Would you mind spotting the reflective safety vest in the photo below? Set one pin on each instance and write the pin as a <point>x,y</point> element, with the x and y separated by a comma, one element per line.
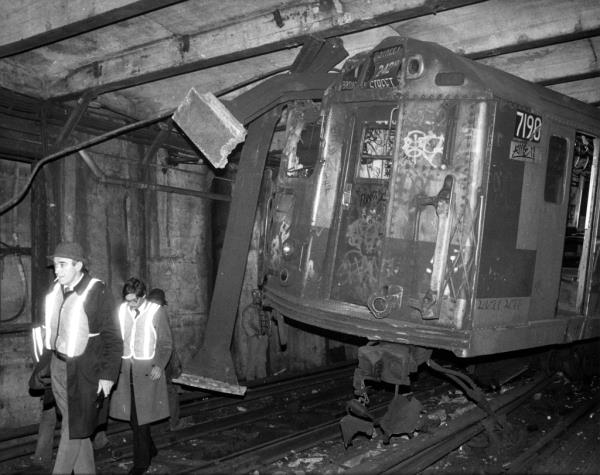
<point>139,334</point>
<point>67,329</point>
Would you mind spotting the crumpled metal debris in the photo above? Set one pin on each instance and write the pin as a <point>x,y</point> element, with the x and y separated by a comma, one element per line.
<point>352,425</point>
<point>402,417</point>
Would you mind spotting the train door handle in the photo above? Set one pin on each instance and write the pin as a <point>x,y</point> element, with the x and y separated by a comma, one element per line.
<point>347,195</point>
<point>444,205</point>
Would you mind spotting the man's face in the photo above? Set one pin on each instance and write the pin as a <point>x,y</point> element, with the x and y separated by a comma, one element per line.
<point>67,270</point>
<point>133,301</point>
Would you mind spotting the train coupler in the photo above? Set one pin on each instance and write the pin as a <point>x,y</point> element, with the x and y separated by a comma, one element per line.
<point>388,362</point>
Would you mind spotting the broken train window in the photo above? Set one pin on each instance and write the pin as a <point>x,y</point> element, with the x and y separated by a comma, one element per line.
<point>301,150</point>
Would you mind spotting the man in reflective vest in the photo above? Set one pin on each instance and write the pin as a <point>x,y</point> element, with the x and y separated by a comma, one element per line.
<point>81,330</point>
<point>141,393</point>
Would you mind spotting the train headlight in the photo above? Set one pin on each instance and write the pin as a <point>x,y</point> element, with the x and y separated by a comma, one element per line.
<point>288,249</point>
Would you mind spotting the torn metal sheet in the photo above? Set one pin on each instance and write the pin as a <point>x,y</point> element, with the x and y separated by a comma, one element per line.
<point>402,417</point>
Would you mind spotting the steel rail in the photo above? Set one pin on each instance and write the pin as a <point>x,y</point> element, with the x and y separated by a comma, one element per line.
<point>523,461</point>
<point>21,442</point>
<point>420,452</point>
<point>261,455</point>
<point>168,439</point>
<point>255,457</point>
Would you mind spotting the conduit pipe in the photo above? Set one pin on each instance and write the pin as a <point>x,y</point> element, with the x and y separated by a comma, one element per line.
<point>102,178</point>
<point>4,207</point>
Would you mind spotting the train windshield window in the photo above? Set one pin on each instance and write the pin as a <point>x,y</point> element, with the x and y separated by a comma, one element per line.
<point>555,170</point>
<point>377,151</point>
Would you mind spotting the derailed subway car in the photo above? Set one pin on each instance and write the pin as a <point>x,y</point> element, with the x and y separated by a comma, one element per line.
<point>433,202</point>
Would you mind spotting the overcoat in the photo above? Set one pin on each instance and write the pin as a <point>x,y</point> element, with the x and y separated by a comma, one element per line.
<point>100,359</point>
<point>151,398</point>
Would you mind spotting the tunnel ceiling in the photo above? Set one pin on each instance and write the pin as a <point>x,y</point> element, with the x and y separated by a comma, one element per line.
<point>140,57</point>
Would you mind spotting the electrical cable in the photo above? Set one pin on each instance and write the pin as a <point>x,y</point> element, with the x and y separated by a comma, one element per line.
<point>21,269</point>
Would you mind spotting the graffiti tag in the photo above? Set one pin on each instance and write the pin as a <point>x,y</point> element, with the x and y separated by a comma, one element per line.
<point>522,151</point>
<point>500,304</point>
<point>428,146</point>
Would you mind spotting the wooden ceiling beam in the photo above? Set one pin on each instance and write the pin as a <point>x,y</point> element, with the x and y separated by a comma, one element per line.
<point>503,26</point>
<point>549,65</point>
<point>553,64</point>
<point>28,24</point>
<point>586,90</point>
<point>250,36</point>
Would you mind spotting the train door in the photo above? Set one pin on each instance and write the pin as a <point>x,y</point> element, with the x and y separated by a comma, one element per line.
<point>364,203</point>
<point>579,286</point>
<point>550,214</point>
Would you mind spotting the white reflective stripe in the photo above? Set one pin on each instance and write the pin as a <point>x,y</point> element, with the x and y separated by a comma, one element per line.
<point>91,335</point>
<point>150,332</point>
<point>124,314</point>
<point>35,354</point>
<point>38,343</point>
<point>50,304</point>
<point>147,333</point>
<point>122,309</point>
<point>139,335</point>
<point>73,324</point>
<point>76,322</point>
<point>143,336</point>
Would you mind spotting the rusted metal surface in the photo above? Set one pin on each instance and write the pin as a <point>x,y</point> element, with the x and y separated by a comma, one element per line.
<point>356,320</point>
<point>432,212</point>
<point>212,367</point>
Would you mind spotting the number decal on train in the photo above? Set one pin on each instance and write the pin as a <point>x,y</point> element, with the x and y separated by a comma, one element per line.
<point>528,126</point>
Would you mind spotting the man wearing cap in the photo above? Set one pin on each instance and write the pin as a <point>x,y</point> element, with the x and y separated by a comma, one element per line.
<point>82,331</point>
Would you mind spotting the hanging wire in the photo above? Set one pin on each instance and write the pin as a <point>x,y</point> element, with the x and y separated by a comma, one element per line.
<point>14,251</point>
<point>75,148</point>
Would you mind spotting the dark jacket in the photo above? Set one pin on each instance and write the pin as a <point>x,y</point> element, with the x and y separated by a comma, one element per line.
<point>100,360</point>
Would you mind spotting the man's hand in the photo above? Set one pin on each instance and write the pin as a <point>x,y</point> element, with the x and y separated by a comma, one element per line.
<point>105,385</point>
<point>155,373</point>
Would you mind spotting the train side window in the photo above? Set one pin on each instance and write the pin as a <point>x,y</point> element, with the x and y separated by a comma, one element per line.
<point>555,170</point>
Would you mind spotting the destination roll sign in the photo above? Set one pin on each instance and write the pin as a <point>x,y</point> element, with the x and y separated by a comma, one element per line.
<point>386,64</point>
